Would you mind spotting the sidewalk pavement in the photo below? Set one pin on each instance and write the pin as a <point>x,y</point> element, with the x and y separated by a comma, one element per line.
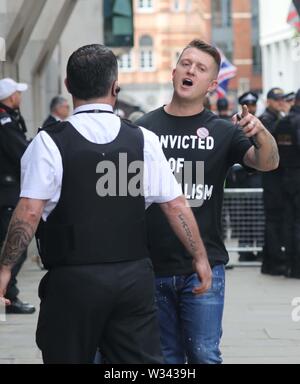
<point>258,325</point>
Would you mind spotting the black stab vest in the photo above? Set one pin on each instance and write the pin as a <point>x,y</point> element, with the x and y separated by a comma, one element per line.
<point>86,228</point>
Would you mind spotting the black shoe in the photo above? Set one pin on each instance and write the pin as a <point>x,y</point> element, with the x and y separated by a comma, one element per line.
<point>265,269</point>
<point>18,307</point>
<point>274,271</point>
<point>247,256</point>
<point>294,274</point>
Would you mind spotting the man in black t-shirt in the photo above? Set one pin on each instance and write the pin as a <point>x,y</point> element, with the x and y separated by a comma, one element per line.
<point>200,148</point>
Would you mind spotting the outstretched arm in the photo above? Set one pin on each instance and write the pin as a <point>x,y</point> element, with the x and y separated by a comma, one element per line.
<point>264,155</point>
<point>183,223</point>
<point>22,227</point>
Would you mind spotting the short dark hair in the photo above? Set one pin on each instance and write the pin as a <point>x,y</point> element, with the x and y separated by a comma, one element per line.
<point>56,101</point>
<point>207,48</point>
<point>91,71</point>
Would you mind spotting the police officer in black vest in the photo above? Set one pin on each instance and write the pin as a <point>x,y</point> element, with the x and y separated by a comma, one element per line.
<point>85,177</point>
<point>287,135</point>
<point>274,260</point>
<point>13,144</point>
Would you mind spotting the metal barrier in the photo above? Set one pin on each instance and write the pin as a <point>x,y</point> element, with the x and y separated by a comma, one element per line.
<point>243,220</point>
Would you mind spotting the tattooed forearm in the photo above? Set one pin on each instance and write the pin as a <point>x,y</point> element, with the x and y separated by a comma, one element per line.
<point>183,223</point>
<point>273,158</point>
<point>189,235</point>
<point>20,234</point>
<point>265,156</point>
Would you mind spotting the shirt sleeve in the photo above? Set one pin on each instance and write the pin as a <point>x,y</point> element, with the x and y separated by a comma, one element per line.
<point>41,169</point>
<point>160,185</point>
<point>240,144</point>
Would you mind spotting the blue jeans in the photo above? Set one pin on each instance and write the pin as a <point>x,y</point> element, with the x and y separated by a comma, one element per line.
<point>190,325</point>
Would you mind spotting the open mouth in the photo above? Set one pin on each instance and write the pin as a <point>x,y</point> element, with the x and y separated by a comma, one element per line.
<point>187,82</point>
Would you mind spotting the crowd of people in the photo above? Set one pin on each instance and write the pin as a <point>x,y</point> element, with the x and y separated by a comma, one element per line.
<point>281,193</point>
<point>139,277</point>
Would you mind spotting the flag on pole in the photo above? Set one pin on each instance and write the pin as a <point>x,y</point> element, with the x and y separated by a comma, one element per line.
<point>227,72</point>
<point>294,15</point>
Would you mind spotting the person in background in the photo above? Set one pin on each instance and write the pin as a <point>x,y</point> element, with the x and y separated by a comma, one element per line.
<point>59,111</point>
<point>223,109</point>
<point>250,99</point>
<point>239,177</point>
<point>274,259</point>
<point>287,135</point>
<point>13,144</point>
<point>289,101</point>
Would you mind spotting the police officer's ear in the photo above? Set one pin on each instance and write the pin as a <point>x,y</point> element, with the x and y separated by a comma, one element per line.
<point>115,89</point>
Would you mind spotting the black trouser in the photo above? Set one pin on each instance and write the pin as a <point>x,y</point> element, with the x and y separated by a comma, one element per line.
<point>12,289</point>
<point>291,190</point>
<point>110,306</point>
<point>273,256</point>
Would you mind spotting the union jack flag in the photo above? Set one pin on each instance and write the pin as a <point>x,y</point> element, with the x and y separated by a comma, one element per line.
<point>227,72</point>
<point>293,17</point>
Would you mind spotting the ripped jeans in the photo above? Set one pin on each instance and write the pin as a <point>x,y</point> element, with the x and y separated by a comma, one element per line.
<point>190,325</point>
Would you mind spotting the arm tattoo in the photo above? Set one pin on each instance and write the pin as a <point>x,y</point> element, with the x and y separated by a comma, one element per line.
<point>188,233</point>
<point>20,234</point>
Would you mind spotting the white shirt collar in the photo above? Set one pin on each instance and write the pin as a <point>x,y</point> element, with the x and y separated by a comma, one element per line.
<point>90,107</point>
<point>55,117</point>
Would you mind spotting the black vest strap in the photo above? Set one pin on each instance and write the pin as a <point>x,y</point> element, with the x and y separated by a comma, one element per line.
<point>93,111</point>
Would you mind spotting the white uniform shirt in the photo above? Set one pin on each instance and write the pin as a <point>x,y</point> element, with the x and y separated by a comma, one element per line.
<point>42,169</point>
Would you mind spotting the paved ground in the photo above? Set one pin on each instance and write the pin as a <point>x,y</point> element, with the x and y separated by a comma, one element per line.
<point>258,326</point>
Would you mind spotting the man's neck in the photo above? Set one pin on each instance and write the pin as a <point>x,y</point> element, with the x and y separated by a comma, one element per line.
<point>105,100</point>
<point>181,107</point>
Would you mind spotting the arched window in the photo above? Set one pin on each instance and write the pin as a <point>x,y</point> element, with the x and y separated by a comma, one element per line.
<point>146,53</point>
<point>126,62</point>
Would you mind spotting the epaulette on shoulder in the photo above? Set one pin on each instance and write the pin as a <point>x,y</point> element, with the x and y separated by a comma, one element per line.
<point>4,117</point>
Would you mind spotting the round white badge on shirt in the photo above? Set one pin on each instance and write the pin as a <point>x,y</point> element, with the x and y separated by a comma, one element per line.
<point>203,133</point>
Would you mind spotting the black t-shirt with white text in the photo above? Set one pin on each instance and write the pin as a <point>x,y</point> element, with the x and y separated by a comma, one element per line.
<point>200,150</point>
